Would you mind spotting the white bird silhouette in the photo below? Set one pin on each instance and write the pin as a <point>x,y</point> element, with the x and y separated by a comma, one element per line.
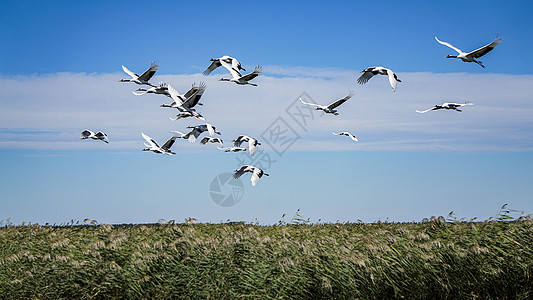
<point>446,105</point>
<point>198,130</point>
<point>185,103</point>
<point>209,139</point>
<point>238,78</point>
<point>346,133</point>
<point>216,62</point>
<point>162,89</point>
<point>329,109</point>
<point>471,56</point>
<point>256,173</point>
<point>154,147</point>
<point>143,78</point>
<point>232,149</point>
<point>86,134</point>
<point>252,143</point>
<point>370,72</point>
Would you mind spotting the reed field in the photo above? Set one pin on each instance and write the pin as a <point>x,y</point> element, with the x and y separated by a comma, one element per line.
<point>434,259</point>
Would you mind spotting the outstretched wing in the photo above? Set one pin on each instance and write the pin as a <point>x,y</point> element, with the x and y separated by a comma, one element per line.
<point>251,145</point>
<point>234,73</point>
<point>256,174</point>
<point>239,140</point>
<point>150,72</point>
<point>175,95</point>
<point>102,136</point>
<point>188,102</point>
<point>86,134</point>
<point>239,172</point>
<point>169,143</point>
<point>340,101</point>
<point>449,45</point>
<point>205,140</point>
<point>392,79</point>
<point>365,77</point>
<point>194,94</point>
<point>485,49</point>
<point>210,129</point>
<point>133,75</point>
<point>258,70</point>
<point>149,140</point>
<point>214,64</point>
<point>352,136</point>
<point>236,64</point>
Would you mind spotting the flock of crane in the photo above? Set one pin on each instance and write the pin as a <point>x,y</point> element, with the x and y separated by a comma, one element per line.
<point>186,103</point>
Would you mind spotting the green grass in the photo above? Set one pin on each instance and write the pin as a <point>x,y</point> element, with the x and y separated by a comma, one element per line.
<point>432,260</point>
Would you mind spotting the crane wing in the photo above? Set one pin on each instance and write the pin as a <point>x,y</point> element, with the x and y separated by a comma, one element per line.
<point>133,75</point>
<point>340,101</point>
<point>256,174</point>
<point>214,64</point>
<point>150,72</point>
<point>251,146</point>
<point>258,70</point>
<point>238,173</point>
<point>239,140</point>
<point>102,136</point>
<point>449,45</point>
<point>197,91</point>
<point>86,134</point>
<point>189,101</point>
<point>365,77</point>
<point>210,129</point>
<point>485,49</point>
<point>234,73</point>
<point>392,80</point>
<point>175,95</point>
<point>205,140</point>
<point>236,64</point>
<point>169,143</point>
<point>149,140</point>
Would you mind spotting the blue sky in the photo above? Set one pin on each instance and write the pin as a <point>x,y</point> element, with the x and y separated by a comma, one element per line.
<point>60,66</point>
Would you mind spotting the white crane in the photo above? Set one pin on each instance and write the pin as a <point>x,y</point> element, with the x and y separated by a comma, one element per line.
<point>446,105</point>
<point>154,147</point>
<point>185,103</point>
<point>216,62</point>
<point>86,134</point>
<point>241,79</point>
<point>209,139</point>
<point>232,149</point>
<point>471,56</point>
<point>256,173</point>
<point>370,72</point>
<point>346,133</point>
<point>252,143</point>
<point>329,109</point>
<point>143,78</point>
<point>162,89</point>
<point>198,130</point>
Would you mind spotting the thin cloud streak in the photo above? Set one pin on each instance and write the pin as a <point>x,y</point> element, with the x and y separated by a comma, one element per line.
<point>49,111</point>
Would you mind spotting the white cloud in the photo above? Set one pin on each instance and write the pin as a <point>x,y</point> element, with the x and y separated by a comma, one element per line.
<point>49,111</point>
